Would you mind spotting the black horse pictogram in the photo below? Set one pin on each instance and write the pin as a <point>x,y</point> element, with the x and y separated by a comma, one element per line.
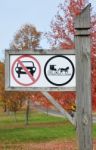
<point>61,70</point>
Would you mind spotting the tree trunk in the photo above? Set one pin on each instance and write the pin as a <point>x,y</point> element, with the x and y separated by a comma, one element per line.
<point>47,109</point>
<point>5,108</point>
<point>15,116</point>
<point>27,113</point>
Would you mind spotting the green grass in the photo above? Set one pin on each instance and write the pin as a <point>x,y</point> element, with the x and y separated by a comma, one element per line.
<point>94,131</point>
<point>34,117</point>
<point>36,134</point>
<point>41,128</point>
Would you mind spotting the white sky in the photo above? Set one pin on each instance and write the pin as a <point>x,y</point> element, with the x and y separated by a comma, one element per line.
<point>15,13</point>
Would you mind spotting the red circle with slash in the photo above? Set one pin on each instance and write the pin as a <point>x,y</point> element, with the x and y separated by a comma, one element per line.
<point>18,60</point>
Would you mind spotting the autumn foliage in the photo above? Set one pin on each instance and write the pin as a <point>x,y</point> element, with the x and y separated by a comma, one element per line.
<point>27,38</point>
<point>62,33</point>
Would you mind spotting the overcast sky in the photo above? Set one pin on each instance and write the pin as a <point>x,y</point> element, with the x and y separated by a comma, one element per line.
<point>15,13</point>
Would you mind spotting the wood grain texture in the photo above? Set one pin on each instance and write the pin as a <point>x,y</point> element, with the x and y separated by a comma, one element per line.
<point>83,81</point>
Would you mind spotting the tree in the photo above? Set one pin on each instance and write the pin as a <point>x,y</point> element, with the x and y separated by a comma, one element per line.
<point>2,80</point>
<point>27,38</point>
<point>62,33</point>
<point>62,26</point>
<point>13,101</point>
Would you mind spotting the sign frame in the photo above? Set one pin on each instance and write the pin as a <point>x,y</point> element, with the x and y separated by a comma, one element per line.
<point>8,53</point>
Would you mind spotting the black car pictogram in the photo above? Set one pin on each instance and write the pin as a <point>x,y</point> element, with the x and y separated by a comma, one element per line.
<point>29,65</point>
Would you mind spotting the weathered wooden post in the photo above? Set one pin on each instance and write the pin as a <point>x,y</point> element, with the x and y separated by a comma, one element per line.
<point>83,79</point>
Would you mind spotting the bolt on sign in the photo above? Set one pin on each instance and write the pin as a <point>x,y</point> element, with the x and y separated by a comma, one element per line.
<point>40,71</point>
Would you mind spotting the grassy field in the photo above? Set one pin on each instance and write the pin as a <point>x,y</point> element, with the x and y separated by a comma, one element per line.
<point>41,128</point>
<point>44,132</point>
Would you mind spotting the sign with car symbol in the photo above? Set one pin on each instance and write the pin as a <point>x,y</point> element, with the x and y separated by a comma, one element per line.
<point>25,70</point>
<point>35,72</point>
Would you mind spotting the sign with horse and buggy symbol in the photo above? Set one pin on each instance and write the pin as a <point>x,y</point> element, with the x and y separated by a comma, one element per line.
<point>59,70</point>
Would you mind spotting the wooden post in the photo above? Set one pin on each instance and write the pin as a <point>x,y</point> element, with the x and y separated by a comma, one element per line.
<point>83,79</point>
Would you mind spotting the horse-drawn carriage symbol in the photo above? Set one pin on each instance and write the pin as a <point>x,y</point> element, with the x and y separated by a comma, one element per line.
<point>53,70</point>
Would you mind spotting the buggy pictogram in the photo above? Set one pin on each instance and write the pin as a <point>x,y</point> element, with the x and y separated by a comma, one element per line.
<point>53,70</point>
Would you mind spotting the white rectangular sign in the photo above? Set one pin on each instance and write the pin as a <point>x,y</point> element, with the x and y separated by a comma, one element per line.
<point>41,71</point>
